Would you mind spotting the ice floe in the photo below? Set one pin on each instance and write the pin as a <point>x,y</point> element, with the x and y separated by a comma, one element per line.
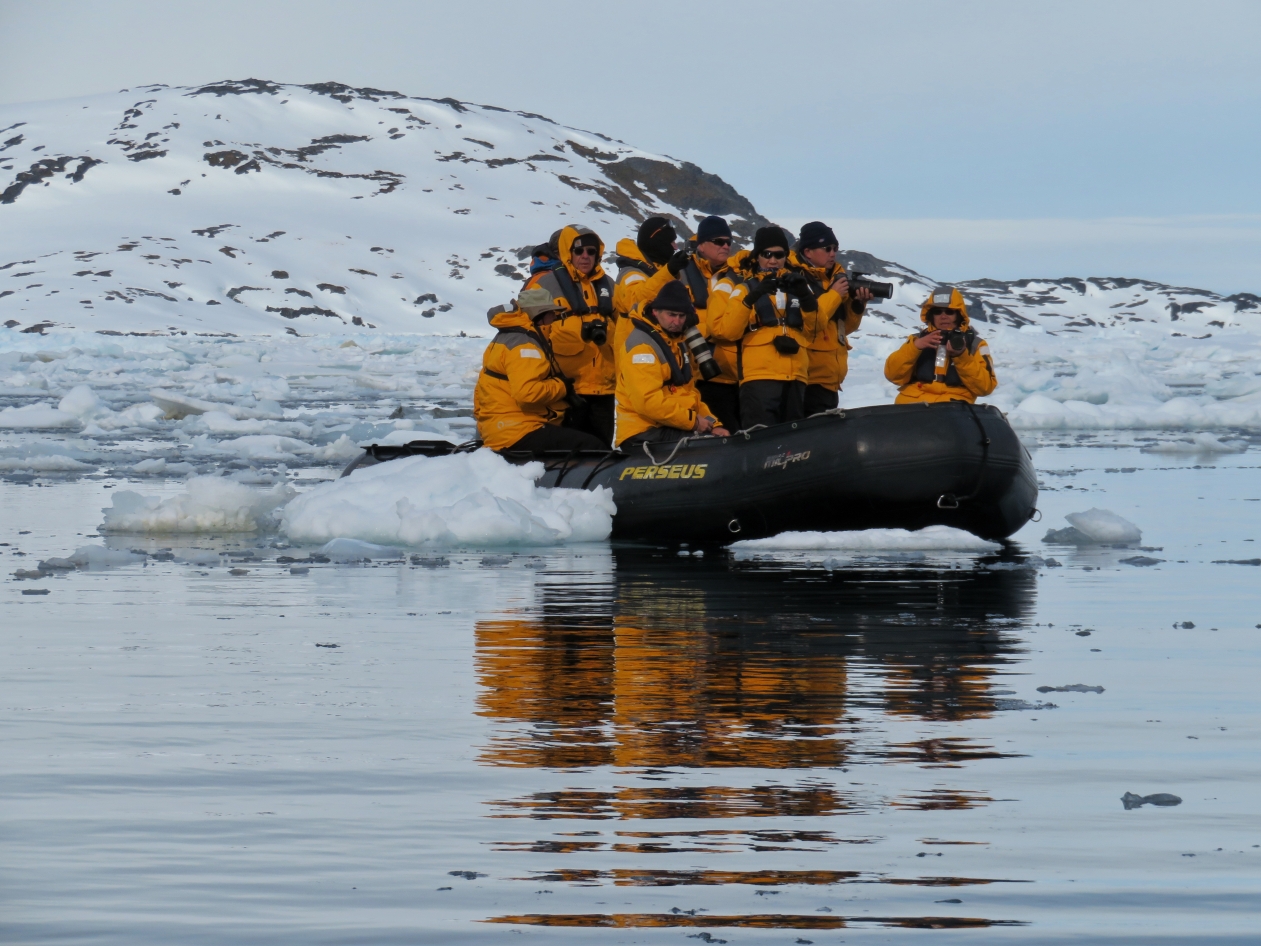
<point>209,504</point>
<point>929,539</point>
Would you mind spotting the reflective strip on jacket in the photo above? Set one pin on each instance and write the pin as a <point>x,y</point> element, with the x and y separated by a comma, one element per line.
<point>652,392</point>
<point>590,365</point>
<point>517,391</point>
<point>829,347</point>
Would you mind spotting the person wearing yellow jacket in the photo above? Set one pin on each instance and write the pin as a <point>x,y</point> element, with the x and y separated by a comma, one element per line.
<point>840,314</point>
<point>582,339</point>
<point>657,400</point>
<point>646,264</point>
<point>770,312</point>
<point>947,361</point>
<point>703,275</point>
<point>521,393</point>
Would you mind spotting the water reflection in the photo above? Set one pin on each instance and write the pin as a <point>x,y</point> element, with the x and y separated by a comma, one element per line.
<point>718,664</point>
<point>666,672</point>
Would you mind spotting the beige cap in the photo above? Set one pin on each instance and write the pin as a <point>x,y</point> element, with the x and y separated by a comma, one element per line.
<point>536,302</point>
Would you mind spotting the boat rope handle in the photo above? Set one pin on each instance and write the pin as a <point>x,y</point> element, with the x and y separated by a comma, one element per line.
<point>679,443</point>
<point>749,430</point>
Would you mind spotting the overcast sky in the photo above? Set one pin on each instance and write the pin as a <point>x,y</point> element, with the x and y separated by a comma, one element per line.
<point>963,139</point>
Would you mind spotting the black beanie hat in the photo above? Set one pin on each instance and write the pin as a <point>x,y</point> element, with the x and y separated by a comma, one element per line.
<point>816,234</point>
<point>767,237</point>
<point>712,227</point>
<point>674,297</point>
<point>656,239</point>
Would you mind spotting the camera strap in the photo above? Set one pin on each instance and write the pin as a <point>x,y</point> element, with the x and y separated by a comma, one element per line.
<point>696,284</point>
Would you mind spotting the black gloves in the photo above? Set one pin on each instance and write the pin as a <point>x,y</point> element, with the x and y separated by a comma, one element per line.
<point>797,285</point>
<point>678,261</point>
<point>762,288</point>
<point>573,397</point>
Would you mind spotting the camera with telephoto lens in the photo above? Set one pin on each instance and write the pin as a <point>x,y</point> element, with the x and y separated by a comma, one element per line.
<point>702,352</point>
<point>878,290</point>
<point>596,330</point>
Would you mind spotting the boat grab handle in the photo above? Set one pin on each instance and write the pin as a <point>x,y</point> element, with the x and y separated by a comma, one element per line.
<point>748,430</point>
<point>947,501</point>
<point>679,443</point>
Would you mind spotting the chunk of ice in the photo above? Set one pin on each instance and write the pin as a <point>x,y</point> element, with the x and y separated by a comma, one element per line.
<point>930,538</point>
<point>211,504</point>
<point>1104,527</point>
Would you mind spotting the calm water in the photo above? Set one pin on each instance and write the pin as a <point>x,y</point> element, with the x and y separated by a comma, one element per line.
<point>622,745</point>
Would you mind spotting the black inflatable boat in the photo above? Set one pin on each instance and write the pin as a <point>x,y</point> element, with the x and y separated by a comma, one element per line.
<point>892,466</point>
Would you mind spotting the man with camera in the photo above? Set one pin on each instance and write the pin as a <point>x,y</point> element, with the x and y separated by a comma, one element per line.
<point>840,313</point>
<point>702,274</point>
<point>582,338</point>
<point>646,264</point>
<point>657,400</point>
<point>521,393</point>
<point>771,313</point>
<point>947,361</point>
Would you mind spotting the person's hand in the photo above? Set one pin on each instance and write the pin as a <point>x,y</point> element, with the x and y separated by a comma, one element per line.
<point>931,340</point>
<point>678,261</point>
<point>840,285</point>
<point>573,397</point>
<point>862,295</point>
<point>704,424</point>
<point>721,432</point>
<point>764,287</point>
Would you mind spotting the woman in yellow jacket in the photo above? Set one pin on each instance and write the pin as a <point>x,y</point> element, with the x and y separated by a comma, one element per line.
<point>770,312</point>
<point>583,338</point>
<point>947,361</point>
<point>521,393</point>
<point>840,314</point>
<point>657,400</point>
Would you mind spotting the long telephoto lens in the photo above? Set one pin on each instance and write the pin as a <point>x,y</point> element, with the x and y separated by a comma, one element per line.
<point>702,353</point>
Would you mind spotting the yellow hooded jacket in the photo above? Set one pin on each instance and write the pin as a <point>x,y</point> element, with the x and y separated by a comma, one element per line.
<point>638,281</point>
<point>968,376</point>
<point>590,365</point>
<point>518,390</point>
<point>655,383</point>
<point>829,345</point>
<point>732,319</point>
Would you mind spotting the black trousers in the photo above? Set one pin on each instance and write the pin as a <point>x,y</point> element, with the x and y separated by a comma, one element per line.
<point>594,417</point>
<point>723,400</point>
<point>551,437</point>
<point>771,402</point>
<point>819,399</point>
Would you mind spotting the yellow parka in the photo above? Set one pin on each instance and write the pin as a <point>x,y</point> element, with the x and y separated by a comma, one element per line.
<point>837,319</point>
<point>519,389</point>
<point>638,281</point>
<point>731,319</point>
<point>968,376</point>
<point>656,384</point>
<point>582,299</point>
<point>707,279</point>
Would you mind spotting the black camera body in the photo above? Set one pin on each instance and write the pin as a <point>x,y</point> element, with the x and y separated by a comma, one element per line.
<point>878,290</point>
<point>596,331</point>
<point>954,340</point>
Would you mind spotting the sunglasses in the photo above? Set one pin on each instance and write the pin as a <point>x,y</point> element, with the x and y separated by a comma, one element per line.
<point>938,311</point>
<point>773,254</point>
<point>720,241</point>
<point>585,251</point>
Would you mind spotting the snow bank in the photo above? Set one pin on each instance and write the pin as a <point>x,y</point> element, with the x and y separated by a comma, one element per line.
<point>931,538</point>
<point>211,504</point>
<point>466,499</point>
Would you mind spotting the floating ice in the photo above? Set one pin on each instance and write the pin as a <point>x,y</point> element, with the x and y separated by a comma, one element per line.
<point>211,504</point>
<point>354,550</point>
<point>1199,444</point>
<point>44,464</point>
<point>931,538</point>
<point>465,499</point>
<point>1104,527</point>
<point>41,416</point>
<point>82,402</point>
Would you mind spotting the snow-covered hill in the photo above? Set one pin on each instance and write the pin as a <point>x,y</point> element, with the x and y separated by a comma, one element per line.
<point>254,207</point>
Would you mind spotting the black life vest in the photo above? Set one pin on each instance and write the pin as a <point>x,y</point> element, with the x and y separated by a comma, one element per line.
<point>679,374</point>
<point>573,294</point>
<point>697,284</point>
<point>926,364</point>
<point>768,317</point>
